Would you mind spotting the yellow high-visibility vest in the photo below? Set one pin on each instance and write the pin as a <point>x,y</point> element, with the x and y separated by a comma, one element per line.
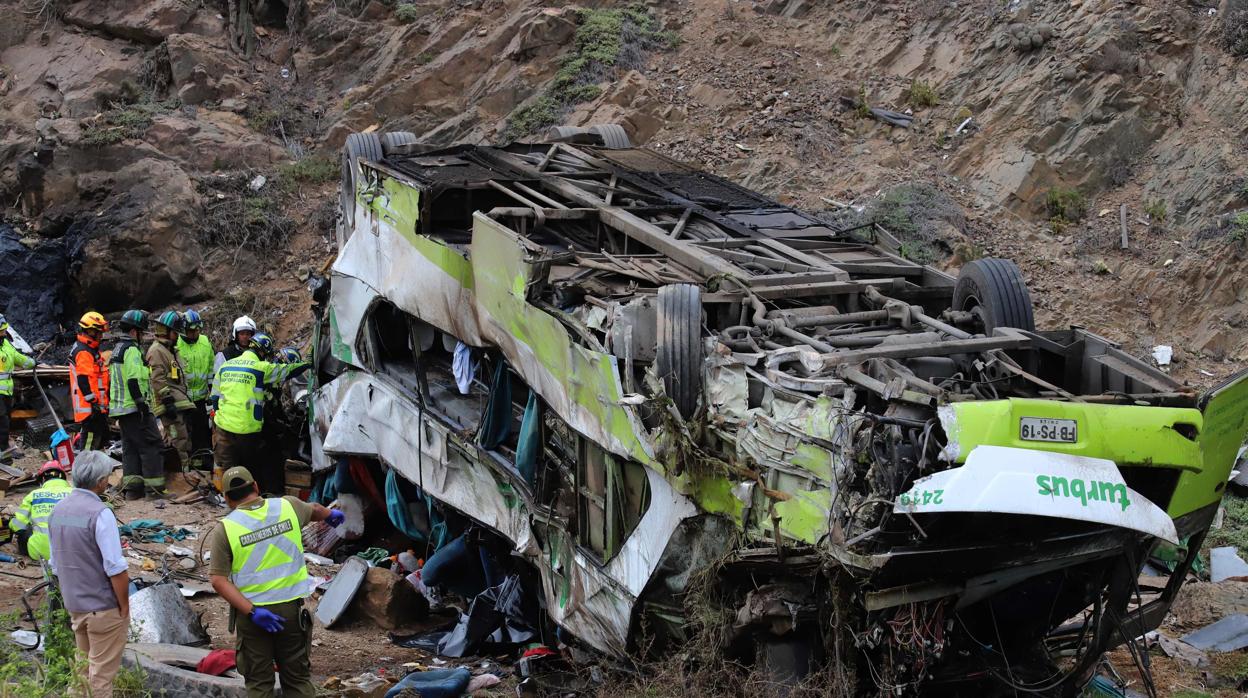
<point>267,546</point>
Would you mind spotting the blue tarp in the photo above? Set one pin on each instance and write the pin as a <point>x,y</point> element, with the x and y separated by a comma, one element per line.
<point>399,495</point>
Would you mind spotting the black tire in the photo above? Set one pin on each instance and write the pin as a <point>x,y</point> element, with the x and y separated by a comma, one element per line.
<point>393,139</point>
<point>558,133</point>
<point>165,669</point>
<point>678,354</point>
<point>613,136</point>
<point>995,291</point>
<point>358,145</point>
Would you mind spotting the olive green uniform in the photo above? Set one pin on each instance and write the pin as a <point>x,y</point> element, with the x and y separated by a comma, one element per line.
<point>172,406</point>
<point>290,648</point>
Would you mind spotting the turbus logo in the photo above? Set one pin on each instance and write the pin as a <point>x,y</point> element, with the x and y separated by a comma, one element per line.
<point>1084,490</point>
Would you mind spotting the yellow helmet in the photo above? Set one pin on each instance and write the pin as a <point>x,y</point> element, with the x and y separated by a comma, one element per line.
<point>93,321</point>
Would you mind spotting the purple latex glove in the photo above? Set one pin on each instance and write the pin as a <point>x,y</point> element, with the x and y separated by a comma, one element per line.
<point>268,621</point>
<point>335,518</point>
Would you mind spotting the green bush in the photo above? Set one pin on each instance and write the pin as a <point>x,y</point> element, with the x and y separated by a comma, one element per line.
<point>923,95</point>
<point>314,169</point>
<point>407,12</point>
<point>1239,227</point>
<point>1156,210</point>
<point>606,42</point>
<point>1065,205</point>
<point>124,121</point>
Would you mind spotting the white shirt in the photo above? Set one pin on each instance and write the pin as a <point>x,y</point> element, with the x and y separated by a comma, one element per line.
<point>107,539</point>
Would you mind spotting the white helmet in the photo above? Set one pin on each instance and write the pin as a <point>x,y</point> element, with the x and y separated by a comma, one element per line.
<point>244,324</point>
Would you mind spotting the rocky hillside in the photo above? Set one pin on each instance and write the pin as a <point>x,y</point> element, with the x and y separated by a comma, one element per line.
<point>164,151</point>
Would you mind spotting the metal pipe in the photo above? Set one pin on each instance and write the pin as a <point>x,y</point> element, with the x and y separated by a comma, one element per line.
<point>917,313</point>
<point>841,318</point>
<point>798,336</point>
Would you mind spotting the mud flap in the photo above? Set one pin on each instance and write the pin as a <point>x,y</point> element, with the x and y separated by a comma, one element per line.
<point>999,479</point>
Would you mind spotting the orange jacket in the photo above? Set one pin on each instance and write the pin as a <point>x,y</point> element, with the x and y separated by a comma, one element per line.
<point>88,377</point>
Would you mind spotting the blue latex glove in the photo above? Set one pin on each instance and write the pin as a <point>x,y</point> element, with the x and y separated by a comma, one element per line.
<point>335,518</point>
<point>269,621</point>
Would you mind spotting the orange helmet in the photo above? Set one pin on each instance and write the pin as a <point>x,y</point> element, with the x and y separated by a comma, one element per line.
<point>93,321</point>
<point>51,466</point>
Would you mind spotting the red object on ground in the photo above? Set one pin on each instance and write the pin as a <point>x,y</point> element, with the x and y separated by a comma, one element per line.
<point>217,662</point>
<point>541,651</point>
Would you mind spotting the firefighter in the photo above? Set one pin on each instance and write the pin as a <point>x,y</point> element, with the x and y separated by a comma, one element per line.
<point>130,398</point>
<point>10,358</point>
<point>88,382</point>
<point>31,520</point>
<point>172,407</point>
<point>195,351</point>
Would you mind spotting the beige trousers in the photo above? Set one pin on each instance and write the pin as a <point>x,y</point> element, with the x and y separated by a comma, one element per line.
<point>101,638</point>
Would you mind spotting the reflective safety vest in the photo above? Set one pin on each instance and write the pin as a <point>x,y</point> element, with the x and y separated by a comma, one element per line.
<point>267,548</point>
<point>238,391</point>
<point>11,358</point>
<point>197,359</point>
<point>126,363</point>
<point>85,360</point>
<point>34,513</point>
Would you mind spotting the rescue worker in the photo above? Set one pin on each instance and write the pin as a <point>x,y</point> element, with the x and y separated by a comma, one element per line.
<point>10,358</point>
<point>195,352</point>
<point>237,403</point>
<point>30,523</point>
<point>130,401</point>
<point>257,567</point>
<point>280,432</point>
<point>240,338</point>
<point>88,382</point>
<point>172,407</point>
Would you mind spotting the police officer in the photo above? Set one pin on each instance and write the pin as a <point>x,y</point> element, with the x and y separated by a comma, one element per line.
<point>30,523</point>
<point>130,398</point>
<point>195,351</point>
<point>257,567</point>
<point>238,396</point>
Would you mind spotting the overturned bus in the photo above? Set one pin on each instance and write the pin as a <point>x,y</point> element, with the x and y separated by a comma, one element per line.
<point>641,377</point>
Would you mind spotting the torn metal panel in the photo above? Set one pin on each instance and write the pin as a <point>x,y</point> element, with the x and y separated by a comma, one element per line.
<point>1007,480</point>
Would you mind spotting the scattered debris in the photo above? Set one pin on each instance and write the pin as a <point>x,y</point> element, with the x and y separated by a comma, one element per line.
<point>1162,354</point>
<point>341,591</point>
<point>1226,635</point>
<point>1178,649</point>
<point>1225,563</point>
<point>159,614</point>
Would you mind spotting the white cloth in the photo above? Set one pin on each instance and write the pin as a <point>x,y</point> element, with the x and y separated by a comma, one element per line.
<point>108,541</point>
<point>463,367</point>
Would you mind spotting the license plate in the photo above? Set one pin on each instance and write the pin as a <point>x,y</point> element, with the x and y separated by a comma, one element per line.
<point>1043,429</point>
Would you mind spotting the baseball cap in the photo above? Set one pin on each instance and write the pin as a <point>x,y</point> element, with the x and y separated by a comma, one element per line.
<point>236,477</point>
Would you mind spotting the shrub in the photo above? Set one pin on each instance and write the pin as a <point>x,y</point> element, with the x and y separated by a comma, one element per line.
<point>407,12</point>
<point>1156,210</point>
<point>1239,227</point>
<point>315,169</point>
<point>1235,27</point>
<point>606,42</point>
<point>922,95</point>
<point>124,121</point>
<point>1065,205</point>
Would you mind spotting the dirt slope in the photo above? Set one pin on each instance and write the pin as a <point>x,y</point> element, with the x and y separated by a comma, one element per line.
<point>1134,104</point>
